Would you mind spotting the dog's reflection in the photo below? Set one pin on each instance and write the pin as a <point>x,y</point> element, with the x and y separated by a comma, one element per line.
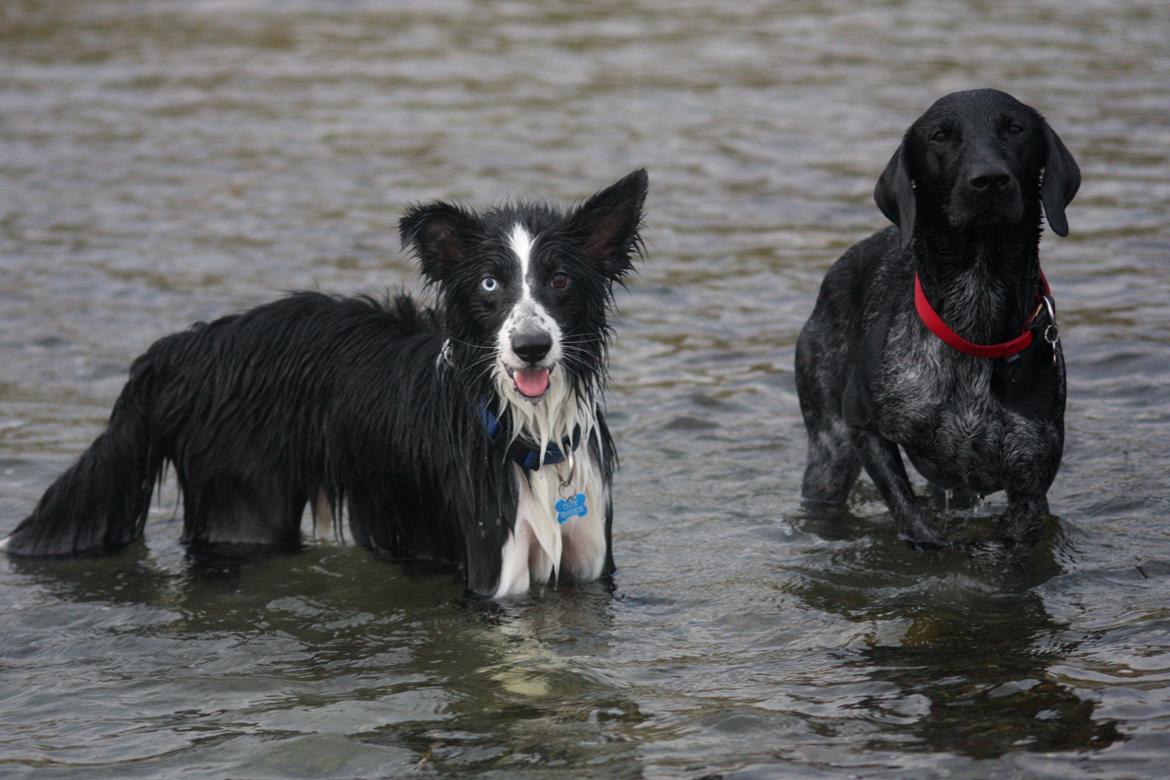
<point>383,653</point>
<point>962,634</point>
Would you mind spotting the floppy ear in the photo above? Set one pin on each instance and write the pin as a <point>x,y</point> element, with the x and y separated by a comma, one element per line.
<point>894,195</point>
<point>439,234</point>
<point>1062,179</point>
<point>607,224</point>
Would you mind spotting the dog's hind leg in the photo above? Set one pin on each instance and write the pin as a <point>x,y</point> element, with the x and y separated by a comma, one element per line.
<point>325,525</point>
<point>230,514</point>
<point>832,466</point>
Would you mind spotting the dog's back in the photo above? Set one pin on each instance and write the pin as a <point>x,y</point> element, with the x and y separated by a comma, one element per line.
<point>248,409</point>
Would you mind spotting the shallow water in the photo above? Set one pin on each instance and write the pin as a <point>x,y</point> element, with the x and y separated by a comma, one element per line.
<point>165,162</point>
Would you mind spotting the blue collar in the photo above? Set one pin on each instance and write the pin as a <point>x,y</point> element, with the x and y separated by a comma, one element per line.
<point>522,451</point>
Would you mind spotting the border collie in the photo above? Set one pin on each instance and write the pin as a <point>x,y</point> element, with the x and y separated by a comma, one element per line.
<point>472,432</point>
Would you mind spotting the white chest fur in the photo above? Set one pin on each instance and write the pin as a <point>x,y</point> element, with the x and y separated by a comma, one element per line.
<point>539,544</point>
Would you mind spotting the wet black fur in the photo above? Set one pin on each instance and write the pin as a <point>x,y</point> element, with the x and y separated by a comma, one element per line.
<point>259,412</point>
<point>965,190</point>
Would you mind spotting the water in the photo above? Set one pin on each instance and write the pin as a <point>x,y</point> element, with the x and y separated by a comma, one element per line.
<point>164,162</point>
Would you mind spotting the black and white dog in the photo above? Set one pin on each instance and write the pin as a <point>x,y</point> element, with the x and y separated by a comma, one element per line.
<point>471,432</point>
<point>938,335</point>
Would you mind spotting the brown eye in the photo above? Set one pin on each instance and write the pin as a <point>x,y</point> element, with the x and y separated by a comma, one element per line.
<point>940,135</point>
<point>559,281</point>
<point>1015,129</point>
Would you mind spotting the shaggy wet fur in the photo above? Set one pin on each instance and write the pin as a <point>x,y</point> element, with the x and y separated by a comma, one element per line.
<point>965,191</point>
<point>375,410</point>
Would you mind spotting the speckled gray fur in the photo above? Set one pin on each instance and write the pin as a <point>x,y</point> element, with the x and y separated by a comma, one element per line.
<point>964,191</point>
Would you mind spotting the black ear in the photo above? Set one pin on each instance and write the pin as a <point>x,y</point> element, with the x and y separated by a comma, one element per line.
<point>894,195</point>
<point>439,234</point>
<point>1062,179</point>
<point>607,224</point>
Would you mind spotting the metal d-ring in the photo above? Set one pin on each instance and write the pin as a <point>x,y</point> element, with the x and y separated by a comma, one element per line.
<point>1050,307</point>
<point>1051,330</point>
<point>567,482</point>
<point>1052,335</point>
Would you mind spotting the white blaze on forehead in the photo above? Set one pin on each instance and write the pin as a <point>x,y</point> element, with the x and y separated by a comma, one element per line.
<point>560,410</point>
<point>521,243</point>
<point>554,415</point>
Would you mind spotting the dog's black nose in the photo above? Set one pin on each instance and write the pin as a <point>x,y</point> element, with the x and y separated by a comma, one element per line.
<point>990,178</point>
<point>531,347</point>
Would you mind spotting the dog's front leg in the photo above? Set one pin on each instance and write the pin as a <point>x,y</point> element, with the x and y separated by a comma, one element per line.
<point>1032,450</point>
<point>883,463</point>
<point>1022,520</point>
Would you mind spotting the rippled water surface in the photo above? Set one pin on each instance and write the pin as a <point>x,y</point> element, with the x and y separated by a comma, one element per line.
<point>163,162</point>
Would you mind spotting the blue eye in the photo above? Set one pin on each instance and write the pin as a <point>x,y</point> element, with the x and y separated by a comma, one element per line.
<point>489,284</point>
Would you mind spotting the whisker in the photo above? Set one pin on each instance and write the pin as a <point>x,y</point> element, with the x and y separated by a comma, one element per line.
<point>470,344</point>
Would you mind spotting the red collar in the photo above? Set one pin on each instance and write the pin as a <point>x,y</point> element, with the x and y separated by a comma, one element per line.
<point>1004,349</point>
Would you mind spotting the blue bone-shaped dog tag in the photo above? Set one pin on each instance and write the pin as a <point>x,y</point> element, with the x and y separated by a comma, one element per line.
<point>568,508</point>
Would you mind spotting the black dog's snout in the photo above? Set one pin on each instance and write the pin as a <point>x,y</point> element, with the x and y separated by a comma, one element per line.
<point>531,347</point>
<point>990,178</point>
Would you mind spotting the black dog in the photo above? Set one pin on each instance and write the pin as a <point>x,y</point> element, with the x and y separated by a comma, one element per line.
<point>978,404</point>
<point>471,432</point>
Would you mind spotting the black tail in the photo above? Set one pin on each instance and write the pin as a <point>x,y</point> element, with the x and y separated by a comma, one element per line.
<point>101,502</point>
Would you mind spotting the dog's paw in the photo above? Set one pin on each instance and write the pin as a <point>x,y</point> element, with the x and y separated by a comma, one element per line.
<point>924,543</point>
<point>1019,530</point>
<point>920,535</point>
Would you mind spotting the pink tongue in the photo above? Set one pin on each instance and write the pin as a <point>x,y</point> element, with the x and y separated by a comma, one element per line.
<point>532,383</point>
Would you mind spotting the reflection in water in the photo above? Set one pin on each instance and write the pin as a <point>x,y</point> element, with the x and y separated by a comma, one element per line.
<point>983,672</point>
<point>365,650</point>
<point>961,637</point>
